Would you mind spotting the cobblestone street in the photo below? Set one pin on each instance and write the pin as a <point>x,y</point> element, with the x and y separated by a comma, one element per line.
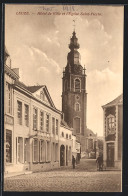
<point>85,178</point>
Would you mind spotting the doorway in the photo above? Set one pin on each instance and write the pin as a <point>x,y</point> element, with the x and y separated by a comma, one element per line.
<point>62,155</point>
<point>66,155</point>
<point>110,155</point>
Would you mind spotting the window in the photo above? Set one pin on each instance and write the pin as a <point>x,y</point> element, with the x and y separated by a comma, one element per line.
<point>56,127</point>
<point>35,151</point>
<point>66,136</point>
<point>77,85</point>
<point>47,123</point>
<point>110,122</point>
<point>77,107</point>
<point>53,125</point>
<point>34,118</point>
<point>8,146</point>
<point>20,149</point>
<point>26,115</point>
<point>42,151</point>
<point>62,134</point>
<point>48,151</point>
<point>77,124</point>
<point>26,150</point>
<point>41,120</point>
<point>9,98</point>
<point>69,136</point>
<point>19,112</point>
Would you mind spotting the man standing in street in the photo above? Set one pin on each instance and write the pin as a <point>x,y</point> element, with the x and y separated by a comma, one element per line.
<point>100,162</point>
<point>73,162</point>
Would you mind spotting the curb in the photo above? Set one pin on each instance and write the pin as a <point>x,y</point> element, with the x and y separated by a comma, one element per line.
<point>17,174</point>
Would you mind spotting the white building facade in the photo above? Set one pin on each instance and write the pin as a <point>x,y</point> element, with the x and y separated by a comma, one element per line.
<point>32,126</point>
<point>65,144</point>
<point>35,137</point>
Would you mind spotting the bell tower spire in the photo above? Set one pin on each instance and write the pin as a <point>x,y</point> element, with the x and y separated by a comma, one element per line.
<point>73,57</point>
<point>74,96</point>
<point>74,24</point>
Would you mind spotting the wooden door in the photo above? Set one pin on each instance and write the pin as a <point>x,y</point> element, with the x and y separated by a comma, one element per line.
<point>110,155</point>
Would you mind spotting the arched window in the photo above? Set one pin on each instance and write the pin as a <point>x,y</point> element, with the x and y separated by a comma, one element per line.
<point>62,134</point>
<point>77,107</point>
<point>77,85</point>
<point>76,124</point>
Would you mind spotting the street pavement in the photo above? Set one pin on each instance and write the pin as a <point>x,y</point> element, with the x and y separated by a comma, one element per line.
<point>84,178</point>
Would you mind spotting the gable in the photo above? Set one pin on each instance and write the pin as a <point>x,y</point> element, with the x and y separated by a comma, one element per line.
<point>43,95</point>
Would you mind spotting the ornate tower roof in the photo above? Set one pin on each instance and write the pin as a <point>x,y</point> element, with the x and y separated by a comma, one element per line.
<point>74,42</point>
<point>73,57</point>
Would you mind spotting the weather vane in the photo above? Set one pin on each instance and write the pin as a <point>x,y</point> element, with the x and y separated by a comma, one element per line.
<point>74,24</point>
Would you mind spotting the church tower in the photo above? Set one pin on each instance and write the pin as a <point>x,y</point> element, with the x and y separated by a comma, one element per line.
<point>74,95</point>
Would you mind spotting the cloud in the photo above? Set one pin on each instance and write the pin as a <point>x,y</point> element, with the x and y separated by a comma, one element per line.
<point>44,69</point>
<point>48,62</point>
<point>102,87</point>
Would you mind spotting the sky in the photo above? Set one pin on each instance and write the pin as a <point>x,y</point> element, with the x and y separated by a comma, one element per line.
<point>37,39</point>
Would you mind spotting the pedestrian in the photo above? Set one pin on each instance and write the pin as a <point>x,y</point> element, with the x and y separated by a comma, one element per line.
<point>73,162</point>
<point>99,162</point>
